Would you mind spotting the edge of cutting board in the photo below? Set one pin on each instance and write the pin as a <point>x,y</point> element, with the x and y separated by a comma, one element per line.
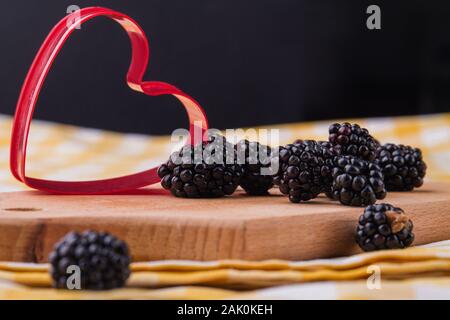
<point>158,226</point>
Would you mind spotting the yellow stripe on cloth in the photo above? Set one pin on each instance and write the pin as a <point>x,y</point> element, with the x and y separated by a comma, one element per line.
<point>250,278</point>
<point>430,263</point>
<point>420,288</point>
<point>194,293</point>
<point>412,254</point>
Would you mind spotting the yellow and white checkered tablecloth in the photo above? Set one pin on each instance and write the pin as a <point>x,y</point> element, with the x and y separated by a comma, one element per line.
<point>66,152</point>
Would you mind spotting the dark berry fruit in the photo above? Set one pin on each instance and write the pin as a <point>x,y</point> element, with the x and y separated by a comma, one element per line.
<point>403,166</point>
<point>353,140</point>
<point>302,170</point>
<point>357,182</point>
<point>103,260</point>
<point>329,152</point>
<point>256,160</point>
<point>383,226</point>
<point>207,170</point>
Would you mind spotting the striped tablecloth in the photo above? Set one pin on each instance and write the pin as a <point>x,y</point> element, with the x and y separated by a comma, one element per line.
<point>66,152</point>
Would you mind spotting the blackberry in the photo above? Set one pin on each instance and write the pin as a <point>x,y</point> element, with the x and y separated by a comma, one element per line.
<point>357,182</point>
<point>102,258</point>
<point>383,226</point>
<point>207,170</point>
<point>329,153</point>
<point>403,166</point>
<point>353,140</point>
<point>301,170</point>
<point>255,158</point>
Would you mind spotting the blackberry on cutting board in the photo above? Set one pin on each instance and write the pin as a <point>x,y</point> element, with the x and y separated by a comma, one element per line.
<point>207,170</point>
<point>403,166</point>
<point>383,226</point>
<point>102,258</point>
<point>353,140</point>
<point>256,160</point>
<point>301,171</point>
<point>329,152</point>
<point>357,182</point>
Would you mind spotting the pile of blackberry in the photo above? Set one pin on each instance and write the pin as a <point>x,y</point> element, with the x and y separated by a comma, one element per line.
<point>103,260</point>
<point>357,182</point>
<point>403,166</point>
<point>207,170</point>
<point>353,140</point>
<point>302,170</point>
<point>350,167</point>
<point>256,159</point>
<point>383,226</point>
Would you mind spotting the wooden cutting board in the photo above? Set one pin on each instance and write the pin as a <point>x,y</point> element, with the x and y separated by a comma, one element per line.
<point>158,226</point>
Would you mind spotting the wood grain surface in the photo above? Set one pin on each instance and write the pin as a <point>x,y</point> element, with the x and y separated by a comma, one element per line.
<point>158,226</point>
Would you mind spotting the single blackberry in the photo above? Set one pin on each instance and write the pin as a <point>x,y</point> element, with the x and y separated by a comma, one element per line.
<point>256,161</point>
<point>403,166</point>
<point>383,226</point>
<point>301,170</point>
<point>357,182</point>
<point>329,153</point>
<point>353,140</point>
<point>207,170</point>
<point>102,258</point>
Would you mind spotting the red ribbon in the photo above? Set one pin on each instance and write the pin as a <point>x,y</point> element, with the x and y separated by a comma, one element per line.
<point>36,77</point>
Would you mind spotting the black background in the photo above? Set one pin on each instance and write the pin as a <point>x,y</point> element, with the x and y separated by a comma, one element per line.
<point>168,308</point>
<point>247,62</point>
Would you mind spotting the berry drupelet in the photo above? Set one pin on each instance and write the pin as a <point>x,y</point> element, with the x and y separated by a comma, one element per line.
<point>353,140</point>
<point>357,182</point>
<point>102,258</point>
<point>403,166</point>
<point>383,226</point>
<point>256,161</point>
<point>301,170</point>
<point>207,170</point>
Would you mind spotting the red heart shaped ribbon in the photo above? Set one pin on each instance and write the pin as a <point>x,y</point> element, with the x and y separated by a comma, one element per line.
<point>36,77</point>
